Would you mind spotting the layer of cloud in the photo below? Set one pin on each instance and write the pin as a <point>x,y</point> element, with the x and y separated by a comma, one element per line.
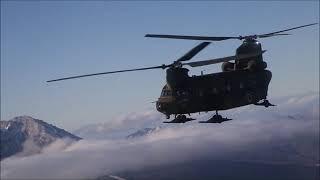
<point>287,133</point>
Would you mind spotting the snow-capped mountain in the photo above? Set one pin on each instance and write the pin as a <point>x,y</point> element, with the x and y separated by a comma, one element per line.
<point>26,131</point>
<point>120,128</point>
<point>144,132</point>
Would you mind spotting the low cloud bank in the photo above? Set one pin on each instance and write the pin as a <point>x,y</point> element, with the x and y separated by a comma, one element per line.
<point>287,133</point>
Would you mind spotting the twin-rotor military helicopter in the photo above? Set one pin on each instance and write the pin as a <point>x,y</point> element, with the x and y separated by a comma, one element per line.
<point>242,82</point>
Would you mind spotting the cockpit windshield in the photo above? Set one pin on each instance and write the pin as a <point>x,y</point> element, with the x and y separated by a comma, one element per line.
<point>166,91</point>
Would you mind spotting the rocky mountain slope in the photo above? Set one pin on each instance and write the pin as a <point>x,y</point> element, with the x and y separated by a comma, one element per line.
<point>26,131</point>
<point>144,132</point>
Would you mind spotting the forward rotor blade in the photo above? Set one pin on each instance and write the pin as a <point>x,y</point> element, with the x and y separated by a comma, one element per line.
<point>202,38</point>
<point>277,32</point>
<point>265,36</point>
<point>194,51</point>
<point>111,72</point>
<point>224,59</point>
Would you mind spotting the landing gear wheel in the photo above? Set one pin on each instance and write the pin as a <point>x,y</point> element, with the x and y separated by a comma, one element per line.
<point>180,118</point>
<point>216,119</point>
<point>264,103</point>
<point>217,116</point>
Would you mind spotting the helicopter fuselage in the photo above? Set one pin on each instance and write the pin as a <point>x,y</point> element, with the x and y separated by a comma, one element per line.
<point>216,91</point>
<point>241,83</point>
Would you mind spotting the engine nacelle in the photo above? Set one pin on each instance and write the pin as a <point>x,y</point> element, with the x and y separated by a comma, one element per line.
<point>227,66</point>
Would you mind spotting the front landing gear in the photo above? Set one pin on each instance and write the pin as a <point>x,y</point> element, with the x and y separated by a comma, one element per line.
<point>264,103</point>
<point>180,119</point>
<point>216,119</point>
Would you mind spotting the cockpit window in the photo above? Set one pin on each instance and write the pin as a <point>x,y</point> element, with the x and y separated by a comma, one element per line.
<point>166,93</point>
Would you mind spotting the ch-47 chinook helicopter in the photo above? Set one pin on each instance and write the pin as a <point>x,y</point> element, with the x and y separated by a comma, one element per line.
<point>242,82</point>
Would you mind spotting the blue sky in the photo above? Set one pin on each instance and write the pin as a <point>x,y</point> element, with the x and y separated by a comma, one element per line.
<point>47,40</point>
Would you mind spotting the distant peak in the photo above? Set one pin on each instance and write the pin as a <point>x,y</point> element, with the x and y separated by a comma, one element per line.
<point>24,117</point>
<point>144,132</point>
<point>18,130</point>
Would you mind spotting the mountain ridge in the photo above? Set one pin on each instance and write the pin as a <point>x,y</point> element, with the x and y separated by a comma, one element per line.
<point>25,129</point>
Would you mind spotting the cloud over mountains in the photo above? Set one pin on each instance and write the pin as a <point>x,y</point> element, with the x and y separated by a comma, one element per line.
<point>285,134</point>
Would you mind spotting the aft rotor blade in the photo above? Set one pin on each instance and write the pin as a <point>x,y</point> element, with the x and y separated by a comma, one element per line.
<point>202,38</point>
<point>221,38</point>
<point>111,72</point>
<point>277,32</point>
<point>224,59</point>
<point>194,51</point>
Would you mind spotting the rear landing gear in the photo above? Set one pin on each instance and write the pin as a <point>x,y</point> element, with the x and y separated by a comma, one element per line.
<point>264,103</point>
<point>216,119</point>
<point>180,119</point>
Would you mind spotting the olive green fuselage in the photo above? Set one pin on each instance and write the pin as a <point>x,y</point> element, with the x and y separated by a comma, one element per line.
<point>217,91</point>
<point>240,83</point>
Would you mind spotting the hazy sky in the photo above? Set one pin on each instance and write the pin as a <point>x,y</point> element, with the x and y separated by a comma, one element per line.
<point>47,40</point>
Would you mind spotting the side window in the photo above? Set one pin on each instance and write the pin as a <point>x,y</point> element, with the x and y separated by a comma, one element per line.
<point>214,90</point>
<point>200,92</point>
<point>228,87</point>
<point>241,85</point>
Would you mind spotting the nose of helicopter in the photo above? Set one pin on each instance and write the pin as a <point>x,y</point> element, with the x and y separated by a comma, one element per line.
<point>165,105</point>
<point>161,106</point>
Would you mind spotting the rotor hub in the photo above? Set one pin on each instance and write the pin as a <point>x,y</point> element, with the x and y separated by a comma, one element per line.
<point>177,64</point>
